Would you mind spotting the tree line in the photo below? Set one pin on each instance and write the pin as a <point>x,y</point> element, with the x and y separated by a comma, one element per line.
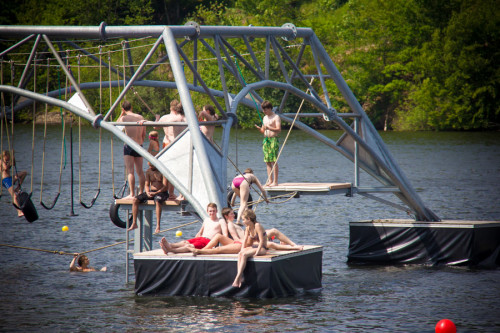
<point>412,64</point>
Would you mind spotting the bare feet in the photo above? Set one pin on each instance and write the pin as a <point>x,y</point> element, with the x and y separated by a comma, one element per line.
<point>157,230</point>
<point>130,196</point>
<point>20,214</point>
<point>132,227</point>
<point>165,246</point>
<point>273,184</point>
<point>195,252</point>
<point>180,198</point>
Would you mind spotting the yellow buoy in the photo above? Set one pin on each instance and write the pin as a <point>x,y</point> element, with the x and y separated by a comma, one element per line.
<point>65,228</point>
<point>178,233</point>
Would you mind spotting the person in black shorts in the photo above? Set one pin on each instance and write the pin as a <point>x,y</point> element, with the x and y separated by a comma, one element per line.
<point>156,189</point>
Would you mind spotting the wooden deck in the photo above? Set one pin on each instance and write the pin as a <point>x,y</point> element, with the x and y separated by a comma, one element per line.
<point>310,188</point>
<point>171,205</point>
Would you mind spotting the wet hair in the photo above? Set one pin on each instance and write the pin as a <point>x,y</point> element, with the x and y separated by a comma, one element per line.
<point>81,259</point>
<point>212,204</point>
<point>225,211</point>
<point>210,109</point>
<point>126,105</point>
<point>249,214</point>
<point>266,105</point>
<point>248,170</point>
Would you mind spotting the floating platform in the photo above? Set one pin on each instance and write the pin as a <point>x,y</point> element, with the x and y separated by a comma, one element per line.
<point>310,188</point>
<point>150,204</point>
<point>448,242</point>
<point>277,274</point>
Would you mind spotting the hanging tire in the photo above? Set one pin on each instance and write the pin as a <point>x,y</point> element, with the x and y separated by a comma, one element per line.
<point>114,215</point>
<point>230,196</point>
<point>26,206</point>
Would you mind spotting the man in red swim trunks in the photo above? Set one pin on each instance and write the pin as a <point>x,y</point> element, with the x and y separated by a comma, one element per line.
<point>210,227</point>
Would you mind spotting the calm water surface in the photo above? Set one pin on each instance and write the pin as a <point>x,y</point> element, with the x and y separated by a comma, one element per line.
<point>456,174</point>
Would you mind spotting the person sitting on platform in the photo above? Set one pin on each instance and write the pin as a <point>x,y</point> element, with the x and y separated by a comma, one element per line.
<point>8,181</point>
<point>209,229</point>
<point>154,145</point>
<point>254,232</point>
<point>157,190</point>
<point>131,158</point>
<point>241,187</point>
<point>233,246</point>
<point>83,262</point>
<point>208,114</point>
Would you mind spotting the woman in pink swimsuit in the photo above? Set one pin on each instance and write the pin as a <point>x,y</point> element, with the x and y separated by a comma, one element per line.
<point>241,187</point>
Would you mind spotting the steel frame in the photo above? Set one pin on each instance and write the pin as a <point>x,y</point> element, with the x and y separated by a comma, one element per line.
<point>280,69</point>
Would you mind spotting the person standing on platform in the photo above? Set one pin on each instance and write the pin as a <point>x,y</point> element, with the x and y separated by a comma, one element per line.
<point>171,132</point>
<point>271,128</point>
<point>208,114</point>
<point>132,159</point>
<point>154,144</point>
<point>157,190</point>
<point>241,187</point>
<point>209,229</point>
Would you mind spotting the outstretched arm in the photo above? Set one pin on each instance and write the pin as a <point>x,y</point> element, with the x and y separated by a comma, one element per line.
<point>261,188</point>
<point>72,266</point>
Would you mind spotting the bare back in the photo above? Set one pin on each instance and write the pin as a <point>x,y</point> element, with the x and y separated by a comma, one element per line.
<point>136,133</point>
<point>171,132</point>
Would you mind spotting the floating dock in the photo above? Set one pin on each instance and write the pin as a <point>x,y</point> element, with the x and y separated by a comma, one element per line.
<point>310,188</point>
<point>448,242</point>
<point>276,274</point>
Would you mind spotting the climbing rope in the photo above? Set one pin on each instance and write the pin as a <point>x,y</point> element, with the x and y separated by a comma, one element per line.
<point>93,250</point>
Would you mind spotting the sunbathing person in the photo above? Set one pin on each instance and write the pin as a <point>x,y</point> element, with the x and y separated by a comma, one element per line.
<point>210,228</point>
<point>233,246</point>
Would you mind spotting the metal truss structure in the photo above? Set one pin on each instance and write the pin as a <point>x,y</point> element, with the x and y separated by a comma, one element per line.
<point>248,60</point>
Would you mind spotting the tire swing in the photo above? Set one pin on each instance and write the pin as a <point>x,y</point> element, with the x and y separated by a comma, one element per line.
<point>114,210</point>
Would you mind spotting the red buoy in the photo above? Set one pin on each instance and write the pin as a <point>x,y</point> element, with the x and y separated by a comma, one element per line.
<point>445,326</point>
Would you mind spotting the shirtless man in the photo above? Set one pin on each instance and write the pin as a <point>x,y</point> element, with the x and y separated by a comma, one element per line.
<point>171,132</point>
<point>209,229</point>
<point>208,114</point>
<point>130,156</point>
<point>8,181</point>
<point>232,246</point>
<point>156,189</point>
<point>271,128</point>
<point>176,115</point>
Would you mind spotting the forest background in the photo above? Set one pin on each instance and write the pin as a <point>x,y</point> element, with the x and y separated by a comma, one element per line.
<point>412,64</point>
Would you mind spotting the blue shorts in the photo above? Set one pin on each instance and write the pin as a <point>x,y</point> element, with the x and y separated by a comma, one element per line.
<point>127,150</point>
<point>7,182</point>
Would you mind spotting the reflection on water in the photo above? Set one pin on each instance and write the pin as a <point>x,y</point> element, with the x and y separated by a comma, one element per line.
<point>456,174</point>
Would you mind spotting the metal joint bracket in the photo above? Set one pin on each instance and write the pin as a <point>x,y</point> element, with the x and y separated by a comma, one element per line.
<point>102,31</point>
<point>294,31</point>
<point>96,123</point>
<point>331,113</point>
<point>197,28</point>
<point>235,118</point>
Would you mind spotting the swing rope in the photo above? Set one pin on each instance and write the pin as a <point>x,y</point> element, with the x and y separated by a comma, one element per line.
<point>63,154</point>
<point>33,134</point>
<point>288,134</point>
<point>111,137</point>
<point>98,191</point>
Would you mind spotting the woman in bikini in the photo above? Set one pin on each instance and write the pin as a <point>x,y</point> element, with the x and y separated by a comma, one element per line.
<point>254,233</point>
<point>241,187</point>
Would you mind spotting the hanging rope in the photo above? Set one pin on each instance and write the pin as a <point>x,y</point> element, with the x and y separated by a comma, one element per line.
<point>80,151</point>
<point>111,137</point>
<point>33,134</point>
<point>288,134</point>
<point>93,250</point>
<point>241,75</point>
<point>63,154</point>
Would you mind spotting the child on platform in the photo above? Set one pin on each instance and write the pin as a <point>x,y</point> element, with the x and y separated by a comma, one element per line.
<point>154,144</point>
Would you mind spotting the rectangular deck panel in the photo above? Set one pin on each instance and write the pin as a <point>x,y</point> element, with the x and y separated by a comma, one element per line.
<point>277,274</point>
<point>310,188</point>
<point>449,242</point>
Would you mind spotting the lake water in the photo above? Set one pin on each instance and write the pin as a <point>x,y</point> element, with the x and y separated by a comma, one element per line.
<point>456,174</point>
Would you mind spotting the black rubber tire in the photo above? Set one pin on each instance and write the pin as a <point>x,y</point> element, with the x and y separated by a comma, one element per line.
<point>230,196</point>
<point>26,206</point>
<point>115,216</point>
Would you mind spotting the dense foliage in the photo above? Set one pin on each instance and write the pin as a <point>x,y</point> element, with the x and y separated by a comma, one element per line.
<point>413,64</point>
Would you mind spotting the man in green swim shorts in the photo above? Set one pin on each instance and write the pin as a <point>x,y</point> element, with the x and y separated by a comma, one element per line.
<point>271,128</point>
